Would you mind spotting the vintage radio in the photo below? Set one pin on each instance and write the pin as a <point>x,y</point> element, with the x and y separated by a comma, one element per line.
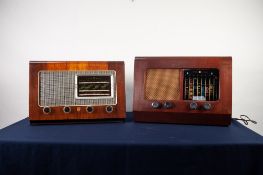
<point>76,91</point>
<point>187,90</point>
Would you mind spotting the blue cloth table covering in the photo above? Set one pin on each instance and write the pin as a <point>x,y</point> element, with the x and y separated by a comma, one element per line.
<point>129,148</point>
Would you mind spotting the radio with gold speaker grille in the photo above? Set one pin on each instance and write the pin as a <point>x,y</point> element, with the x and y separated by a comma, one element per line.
<point>76,91</point>
<point>187,90</point>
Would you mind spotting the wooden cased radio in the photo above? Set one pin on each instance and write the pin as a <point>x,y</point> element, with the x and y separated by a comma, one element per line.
<point>76,91</point>
<point>186,90</point>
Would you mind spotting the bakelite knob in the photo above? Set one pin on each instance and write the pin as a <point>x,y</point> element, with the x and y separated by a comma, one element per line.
<point>207,106</point>
<point>109,109</point>
<point>67,109</point>
<point>46,110</point>
<point>168,105</point>
<point>193,106</point>
<point>156,105</point>
<point>90,109</point>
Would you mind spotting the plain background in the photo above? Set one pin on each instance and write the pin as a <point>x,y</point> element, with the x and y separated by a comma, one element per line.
<point>123,29</point>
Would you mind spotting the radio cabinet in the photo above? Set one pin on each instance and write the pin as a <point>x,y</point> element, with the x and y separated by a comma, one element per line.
<point>187,90</point>
<point>76,91</point>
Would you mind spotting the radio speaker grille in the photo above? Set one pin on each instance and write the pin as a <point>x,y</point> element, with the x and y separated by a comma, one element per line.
<point>57,88</point>
<point>162,84</point>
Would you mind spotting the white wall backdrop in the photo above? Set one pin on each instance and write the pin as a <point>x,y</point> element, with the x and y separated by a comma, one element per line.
<point>123,29</point>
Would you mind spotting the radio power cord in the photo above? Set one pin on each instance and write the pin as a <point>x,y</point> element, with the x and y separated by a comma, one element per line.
<point>245,119</point>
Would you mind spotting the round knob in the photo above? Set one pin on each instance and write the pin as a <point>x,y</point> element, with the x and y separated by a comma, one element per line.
<point>66,109</point>
<point>46,110</point>
<point>168,105</point>
<point>193,106</point>
<point>156,105</point>
<point>207,106</point>
<point>109,109</point>
<point>90,109</point>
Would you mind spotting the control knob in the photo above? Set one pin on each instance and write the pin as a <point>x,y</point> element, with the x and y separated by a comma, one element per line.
<point>67,109</point>
<point>109,109</point>
<point>89,109</point>
<point>46,110</point>
<point>168,105</point>
<point>156,105</point>
<point>207,106</point>
<point>193,106</point>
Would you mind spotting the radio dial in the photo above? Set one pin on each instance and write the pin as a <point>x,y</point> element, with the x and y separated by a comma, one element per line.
<point>46,110</point>
<point>207,106</point>
<point>168,105</point>
<point>67,109</point>
<point>156,105</point>
<point>193,106</point>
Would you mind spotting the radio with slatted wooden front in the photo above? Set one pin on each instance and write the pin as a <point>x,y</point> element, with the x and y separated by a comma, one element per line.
<point>188,90</point>
<point>76,90</point>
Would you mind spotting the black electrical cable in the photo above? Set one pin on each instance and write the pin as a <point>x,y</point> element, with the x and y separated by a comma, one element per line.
<point>245,119</point>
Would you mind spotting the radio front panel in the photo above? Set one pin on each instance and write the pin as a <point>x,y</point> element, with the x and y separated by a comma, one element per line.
<point>69,90</point>
<point>199,84</point>
<point>191,90</point>
<point>77,88</point>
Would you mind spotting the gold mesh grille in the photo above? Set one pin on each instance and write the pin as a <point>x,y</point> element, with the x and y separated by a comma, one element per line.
<point>162,84</point>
